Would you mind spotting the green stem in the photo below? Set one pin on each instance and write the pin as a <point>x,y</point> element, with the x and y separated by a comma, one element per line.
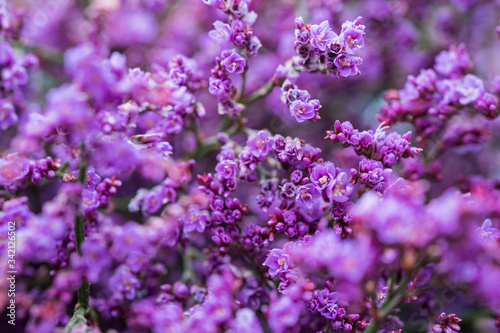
<point>392,302</point>
<point>259,93</point>
<point>242,88</point>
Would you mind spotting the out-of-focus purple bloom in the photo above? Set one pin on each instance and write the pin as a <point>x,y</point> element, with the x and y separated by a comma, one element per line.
<point>221,33</point>
<point>487,231</point>
<point>453,63</point>
<point>124,282</point>
<point>8,116</point>
<point>470,89</point>
<point>245,322</point>
<point>195,219</point>
<point>283,314</point>
<point>487,104</point>
<point>13,168</point>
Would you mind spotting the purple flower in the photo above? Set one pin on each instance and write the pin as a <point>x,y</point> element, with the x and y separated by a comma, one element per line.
<point>347,65</point>
<point>233,62</point>
<point>321,35</point>
<point>302,111</point>
<point>124,282</point>
<point>219,88</point>
<point>453,63</point>
<point>13,168</point>
<point>322,175</point>
<point>487,104</point>
<point>470,89</point>
<point>352,35</point>
<point>278,262</point>
<point>221,33</point>
<point>245,322</point>
<point>487,231</point>
<point>6,54</point>
<point>195,220</point>
<point>283,314</point>
<point>8,115</point>
<point>326,304</point>
<point>227,169</point>
<point>308,195</point>
<point>260,144</point>
<point>340,189</point>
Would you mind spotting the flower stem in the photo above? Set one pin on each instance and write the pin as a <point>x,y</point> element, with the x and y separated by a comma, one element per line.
<point>392,302</point>
<point>259,93</point>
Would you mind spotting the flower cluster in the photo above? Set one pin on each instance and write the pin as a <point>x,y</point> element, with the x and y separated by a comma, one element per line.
<point>321,49</point>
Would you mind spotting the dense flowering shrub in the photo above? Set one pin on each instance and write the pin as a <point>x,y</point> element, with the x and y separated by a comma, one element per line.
<point>249,166</point>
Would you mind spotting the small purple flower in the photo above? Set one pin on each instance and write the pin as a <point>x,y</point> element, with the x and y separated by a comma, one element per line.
<point>219,88</point>
<point>245,322</point>
<point>283,314</point>
<point>453,63</point>
<point>347,65</point>
<point>302,111</point>
<point>487,231</point>
<point>227,169</point>
<point>260,144</point>
<point>233,62</point>
<point>321,35</point>
<point>487,104</point>
<point>448,89</point>
<point>340,190</point>
<point>124,282</point>
<point>278,262</point>
<point>195,220</point>
<point>307,195</point>
<point>12,169</point>
<point>322,175</point>
<point>326,304</point>
<point>8,115</point>
<point>352,35</point>
<point>470,89</point>
<point>221,33</point>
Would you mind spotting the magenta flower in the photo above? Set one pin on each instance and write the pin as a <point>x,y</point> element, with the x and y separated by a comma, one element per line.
<point>321,35</point>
